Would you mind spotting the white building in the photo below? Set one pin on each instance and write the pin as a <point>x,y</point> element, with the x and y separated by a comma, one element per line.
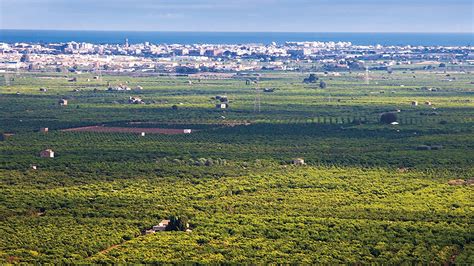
<point>48,153</point>
<point>161,226</point>
<point>222,106</point>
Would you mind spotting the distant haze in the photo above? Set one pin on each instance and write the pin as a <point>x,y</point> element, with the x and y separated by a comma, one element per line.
<point>240,15</point>
<point>186,37</point>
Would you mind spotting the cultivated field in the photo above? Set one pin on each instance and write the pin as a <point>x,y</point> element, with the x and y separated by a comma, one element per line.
<point>368,193</point>
<point>104,129</point>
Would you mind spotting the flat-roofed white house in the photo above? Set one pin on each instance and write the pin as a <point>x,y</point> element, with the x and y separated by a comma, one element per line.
<point>298,161</point>
<point>62,102</point>
<point>222,105</point>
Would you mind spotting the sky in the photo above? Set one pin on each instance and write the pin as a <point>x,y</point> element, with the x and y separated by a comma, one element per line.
<point>240,15</point>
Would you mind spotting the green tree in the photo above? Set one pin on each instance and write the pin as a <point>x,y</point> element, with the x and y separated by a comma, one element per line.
<point>388,118</point>
<point>177,223</point>
<point>322,85</point>
<point>311,79</point>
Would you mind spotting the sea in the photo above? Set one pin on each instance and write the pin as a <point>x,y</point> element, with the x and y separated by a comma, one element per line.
<point>171,37</point>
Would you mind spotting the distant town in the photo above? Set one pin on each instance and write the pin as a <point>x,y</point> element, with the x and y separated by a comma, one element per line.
<point>189,59</point>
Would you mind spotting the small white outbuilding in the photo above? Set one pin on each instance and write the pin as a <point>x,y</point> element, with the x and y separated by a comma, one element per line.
<point>48,153</point>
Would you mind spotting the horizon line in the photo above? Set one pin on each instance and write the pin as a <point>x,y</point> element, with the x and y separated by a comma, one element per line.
<point>208,31</point>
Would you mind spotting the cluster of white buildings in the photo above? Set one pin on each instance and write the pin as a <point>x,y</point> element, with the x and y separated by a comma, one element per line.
<point>147,57</point>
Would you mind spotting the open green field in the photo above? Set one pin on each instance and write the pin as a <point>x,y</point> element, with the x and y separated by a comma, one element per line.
<point>368,193</point>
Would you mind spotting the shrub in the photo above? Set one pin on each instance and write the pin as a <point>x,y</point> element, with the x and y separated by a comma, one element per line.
<point>322,85</point>
<point>127,237</point>
<point>209,162</point>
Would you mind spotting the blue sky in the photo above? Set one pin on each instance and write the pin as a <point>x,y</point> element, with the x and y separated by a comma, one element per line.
<point>241,15</point>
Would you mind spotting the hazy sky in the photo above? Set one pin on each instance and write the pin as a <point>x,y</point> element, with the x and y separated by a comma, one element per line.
<point>241,15</point>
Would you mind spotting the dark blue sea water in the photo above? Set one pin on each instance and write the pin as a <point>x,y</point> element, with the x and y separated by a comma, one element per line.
<point>98,37</point>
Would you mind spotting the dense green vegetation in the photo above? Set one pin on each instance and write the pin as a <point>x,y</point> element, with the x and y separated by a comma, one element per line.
<point>368,193</point>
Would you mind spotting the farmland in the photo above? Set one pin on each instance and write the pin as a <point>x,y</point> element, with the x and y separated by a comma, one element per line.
<point>369,192</point>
